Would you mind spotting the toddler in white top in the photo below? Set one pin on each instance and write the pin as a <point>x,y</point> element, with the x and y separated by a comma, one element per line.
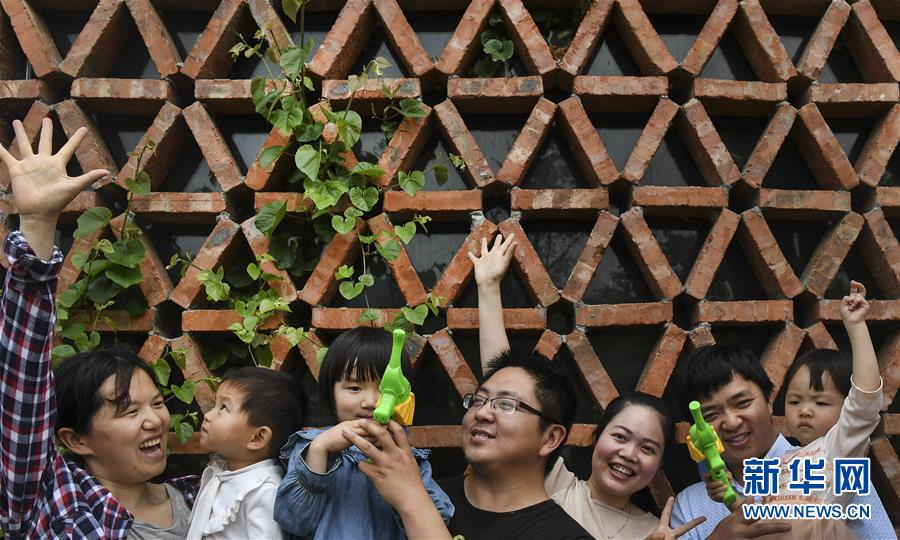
<point>256,410</point>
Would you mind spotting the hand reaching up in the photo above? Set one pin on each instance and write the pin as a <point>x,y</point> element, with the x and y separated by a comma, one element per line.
<point>854,306</point>
<point>492,263</point>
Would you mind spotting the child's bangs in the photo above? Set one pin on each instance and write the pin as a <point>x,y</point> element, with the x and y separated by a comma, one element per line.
<point>366,368</point>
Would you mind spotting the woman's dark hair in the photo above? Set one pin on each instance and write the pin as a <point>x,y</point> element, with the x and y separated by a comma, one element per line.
<point>272,399</point>
<point>666,422</point>
<point>836,364</point>
<point>360,353</point>
<point>711,367</point>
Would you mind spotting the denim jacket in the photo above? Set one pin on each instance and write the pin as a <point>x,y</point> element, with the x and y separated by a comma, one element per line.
<point>342,503</point>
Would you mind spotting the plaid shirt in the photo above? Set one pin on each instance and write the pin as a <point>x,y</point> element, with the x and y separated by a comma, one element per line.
<point>43,495</point>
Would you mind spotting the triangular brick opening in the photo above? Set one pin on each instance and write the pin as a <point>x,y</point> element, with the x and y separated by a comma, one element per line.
<point>512,290</point>
<point>134,62</point>
<point>729,61</point>
<point>175,238</point>
<point>587,410</point>
<point>798,239</point>
<point>851,134</point>
<point>732,281</point>
<point>436,398</point>
<point>434,28</point>
<point>384,293</point>
<point>316,25</point>
<point>618,279</point>
<point>250,68</point>
<point>185,28</point>
<point>740,134</point>
<point>789,169</point>
<point>495,134</point>
<point>64,27</point>
<point>754,339</point>
<point>678,31</point>
<point>611,56</point>
<point>190,173</point>
<point>436,151</point>
<point>378,45</point>
<point>680,239</point>
<point>619,132</point>
<point>624,352</point>
<point>372,141</point>
<point>891,177</point>
<point>853,267</point>
<point>244,135</point>
<point>554,165</point>
<point>794,32</point>
<point>515,66</point>
<point>559,244</point>
<point>431,253</point>
<point>672,164</point>
<point>121,133</point>
<point>298,247</point>
<point>13,63</point>
<point>840,66</point>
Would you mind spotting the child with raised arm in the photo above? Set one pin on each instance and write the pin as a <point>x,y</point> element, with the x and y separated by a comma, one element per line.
<point>256,410</point>
<point>817,384</point>
<point>324,494</point>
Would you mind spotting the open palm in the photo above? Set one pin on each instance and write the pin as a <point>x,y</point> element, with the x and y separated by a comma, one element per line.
<point>40,184</point>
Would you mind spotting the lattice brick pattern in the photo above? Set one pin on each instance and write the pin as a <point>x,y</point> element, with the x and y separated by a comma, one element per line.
<point>676,74</point>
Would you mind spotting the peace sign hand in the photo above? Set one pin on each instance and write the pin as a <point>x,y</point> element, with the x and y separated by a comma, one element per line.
<point>665,532</point>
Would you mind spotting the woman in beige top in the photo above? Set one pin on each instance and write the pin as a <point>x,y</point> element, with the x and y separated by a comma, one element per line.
<point>629,443</point>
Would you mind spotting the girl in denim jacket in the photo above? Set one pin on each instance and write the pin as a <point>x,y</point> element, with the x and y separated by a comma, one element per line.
<point>323,494</point>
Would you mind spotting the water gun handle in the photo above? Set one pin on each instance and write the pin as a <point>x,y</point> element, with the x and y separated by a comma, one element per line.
<point>396,400</point>
<point>704,445</point>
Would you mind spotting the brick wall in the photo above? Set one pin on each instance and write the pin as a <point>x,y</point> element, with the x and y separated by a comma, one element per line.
<point>682,172</point>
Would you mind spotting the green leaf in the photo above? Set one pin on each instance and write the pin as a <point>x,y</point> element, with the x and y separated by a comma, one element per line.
<point>349,125</point>
<point>269,155</point>
<point>286,120</point>
<point>309,132</point>
<point>485,67</point>
<point>215,358</point>
<point>441,175</point>
<point>346,223</point>
<point>62,351</point>
<point>179,356</point>
<point>344,272</point>
<point>489,34</point>
<point>369,314</point>
<point>128,253</point>
<point>308,160</point>
<point>411,108</point>
<point>162,370</point>
<point>123,277</point>
<point>69,331</point>
<point>280,248</point>
<point>263,356</point>
<point>390,250</point>
<point>367,279</point>
<point>412,182</point>
<point>68,297</point>
<point>500,50</point>
<point>416,315</point>
<point>79,258</point>
<point>185,392</point>
<point>140,184</point>
<point>91,221</point>
<point>262,99</point>
<point>291,7</point>
<point>350,290</point>
<point>320,354</point>
<point>368,169</point>
<point>184,431</point>
<point>102,290</point>
<point>292,60</point>
<point>457,161</point>
<point>253,270</point>
<point>364,199</point>
<point>406,232</point>
<point>270,216</point>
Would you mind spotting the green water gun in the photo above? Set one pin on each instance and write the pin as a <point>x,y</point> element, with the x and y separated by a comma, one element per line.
<point>396,400</point>
<point>704,445</point>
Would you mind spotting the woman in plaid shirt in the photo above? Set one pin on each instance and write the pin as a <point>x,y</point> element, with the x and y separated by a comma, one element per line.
<point>104,407</point>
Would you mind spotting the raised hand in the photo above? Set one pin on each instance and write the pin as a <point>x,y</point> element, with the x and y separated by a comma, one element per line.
<point>665,532</point>
<point>854,306</point>
<point>492,263</point>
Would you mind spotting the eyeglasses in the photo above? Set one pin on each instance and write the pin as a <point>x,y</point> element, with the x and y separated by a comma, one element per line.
<point>506,405</point>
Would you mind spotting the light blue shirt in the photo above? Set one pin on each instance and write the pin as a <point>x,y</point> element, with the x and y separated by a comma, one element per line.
<point>693,502</point>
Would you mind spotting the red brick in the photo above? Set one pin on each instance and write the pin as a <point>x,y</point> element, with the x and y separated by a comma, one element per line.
<point>648,143</point>
<point>659,367</point>
<point>23,93</point>
<point>705,44</point>
<point>213,146</point>
<point>82,202</point>
<point>884,458</point>
<point>679,201</point>
<point>259,178</point>
<point>649,257</point>
<point>881,252</point>
<point>122,96</point>
<point>548,344</point>
<point>268,19</point>
<point>527,143</point>
<point>618,94</point>
<point>99,44</point>
<point>711,254</point>
<point>405,146</point>
<point>706,147</point>
<point>337,92</point>
<point>440,205</point>
<point>780,353</point>
<point>768,145</point>
<point>170,134</point>
<point>888,198</point>
<point>700,336</point>
<point>612,315</point>
<point>585,142</point>
<point>559,203</point>
<point>498,95</point>
<point>460,51</point>
<point>260,245</point>
<point>181,208</point>
<point>823,39</point>
<point>852,99</point>
<point>345,41</point>
<point>592,371</point>
<point>590,257</point>
<point>218,320</point>
<point>436,436</point>
<point>872,47</point>
<point>156,284</point>
<point>879,310</point>
<point>876,154</point>
<point>153,349</point>
<point>462,143</point>
<point>329,318</point>
<point>209,58</point>
<point>819,337</point>
<point>889,360</point>
<point>530,44</point>
<point>526,259</point>
<point>68,274</point>
<point>195,368</point>
<point>761,44</point>
<point>743,313</point>
<point>739,98</point>
<point>513,319</point>
<point>320,286</point>
<point>761,249</point>
<point>460,269</point>
<point>402,268</point>
<point>124,322</point>
<point>309,349</point>
<point>11,63</point>
<point>453,362</point>
<point>225,95</point>
<point>826,260</point>
<point>646,47</point>
<point>825,157</point>
<point>217,249</point>
<point>92,153</point>
<point>34,37</point>
<point>802,203</point>
<point>156,37</point>
<point>405,41</point>
<point>585,40</point>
